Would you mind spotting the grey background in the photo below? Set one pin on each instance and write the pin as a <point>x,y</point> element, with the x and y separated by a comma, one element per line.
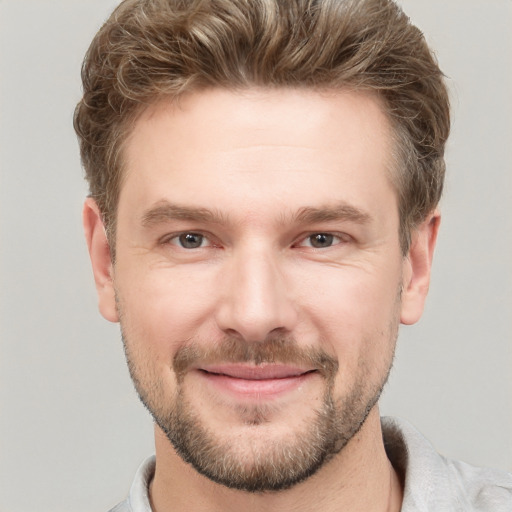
<point>72,432</point>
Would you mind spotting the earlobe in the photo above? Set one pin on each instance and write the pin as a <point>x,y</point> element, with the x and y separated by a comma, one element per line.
<point>417,266</point>
<point>99,252</point>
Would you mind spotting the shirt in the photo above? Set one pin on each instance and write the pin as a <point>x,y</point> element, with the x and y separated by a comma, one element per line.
<point>433,483</point>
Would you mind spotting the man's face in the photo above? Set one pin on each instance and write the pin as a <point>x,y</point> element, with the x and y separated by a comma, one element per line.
<point>258,276</point>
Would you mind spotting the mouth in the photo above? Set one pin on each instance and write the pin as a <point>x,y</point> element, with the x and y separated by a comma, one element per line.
<point>256,381</point>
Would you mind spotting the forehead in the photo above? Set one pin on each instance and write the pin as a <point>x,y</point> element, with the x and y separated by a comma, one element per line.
<point>238,149</point>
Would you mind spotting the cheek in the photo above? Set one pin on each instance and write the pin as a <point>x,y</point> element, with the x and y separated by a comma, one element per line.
<point>354,298</point>
<point>355,314</point>
<point>162,307</point>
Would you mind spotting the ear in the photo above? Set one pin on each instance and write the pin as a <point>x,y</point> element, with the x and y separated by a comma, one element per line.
<point>417,267</point>
<point>99,252</point>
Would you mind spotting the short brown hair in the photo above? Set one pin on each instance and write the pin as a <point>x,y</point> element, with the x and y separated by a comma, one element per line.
<point>150,49</point>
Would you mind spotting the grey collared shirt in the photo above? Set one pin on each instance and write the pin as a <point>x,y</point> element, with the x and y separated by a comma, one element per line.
<point>432,482</point>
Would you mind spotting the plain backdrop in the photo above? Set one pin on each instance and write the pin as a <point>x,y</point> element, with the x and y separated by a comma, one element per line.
<point>72,432</point>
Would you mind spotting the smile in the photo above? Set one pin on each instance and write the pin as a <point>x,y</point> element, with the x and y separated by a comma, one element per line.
<point>255,381</point>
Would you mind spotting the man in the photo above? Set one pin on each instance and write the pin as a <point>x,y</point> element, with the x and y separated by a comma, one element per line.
<point>264,179</point>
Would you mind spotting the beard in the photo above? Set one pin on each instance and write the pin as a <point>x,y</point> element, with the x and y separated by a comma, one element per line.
<point>261,463</point>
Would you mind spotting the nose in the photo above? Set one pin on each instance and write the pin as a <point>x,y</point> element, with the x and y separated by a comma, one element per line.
<point>255,300</point>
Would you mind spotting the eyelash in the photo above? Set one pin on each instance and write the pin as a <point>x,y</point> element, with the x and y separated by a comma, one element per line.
<point>335,239</point>
<point>178,240</point>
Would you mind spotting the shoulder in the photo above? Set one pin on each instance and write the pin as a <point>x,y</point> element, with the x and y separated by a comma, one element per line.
<point>433,482</point>
<point>124,506</point>
<point>484,488</point>
<point>138,498</point>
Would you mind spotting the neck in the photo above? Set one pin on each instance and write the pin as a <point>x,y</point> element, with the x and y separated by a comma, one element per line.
<point>359,478</point>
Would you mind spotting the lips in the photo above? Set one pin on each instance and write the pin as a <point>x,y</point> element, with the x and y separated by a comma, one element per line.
<point>262,372</point>
<point>255,381</point>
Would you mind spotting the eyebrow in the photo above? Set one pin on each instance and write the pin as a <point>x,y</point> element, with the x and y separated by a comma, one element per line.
<point>340,212</point>
<point>164,211</point>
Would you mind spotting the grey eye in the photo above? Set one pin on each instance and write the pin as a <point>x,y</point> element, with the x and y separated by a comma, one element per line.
<point>321,240</point>
<point>191,240</point>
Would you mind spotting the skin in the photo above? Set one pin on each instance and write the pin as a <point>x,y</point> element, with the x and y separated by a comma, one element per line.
<point>258,160</point>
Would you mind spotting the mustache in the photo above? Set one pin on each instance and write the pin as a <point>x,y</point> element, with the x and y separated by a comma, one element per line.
<point>273,350</point>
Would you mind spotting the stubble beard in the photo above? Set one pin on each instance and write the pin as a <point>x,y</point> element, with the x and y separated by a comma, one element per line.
<point>271,465</point>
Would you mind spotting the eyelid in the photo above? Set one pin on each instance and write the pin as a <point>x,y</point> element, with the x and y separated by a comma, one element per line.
<point>340,239</point>
<point>172,238</point>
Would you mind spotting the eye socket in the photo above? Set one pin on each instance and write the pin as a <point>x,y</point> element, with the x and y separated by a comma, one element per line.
<point>190,240</point>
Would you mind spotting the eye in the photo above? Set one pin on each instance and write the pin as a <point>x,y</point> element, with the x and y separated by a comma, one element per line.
<point>320,240</point>
<point>190,240</point>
